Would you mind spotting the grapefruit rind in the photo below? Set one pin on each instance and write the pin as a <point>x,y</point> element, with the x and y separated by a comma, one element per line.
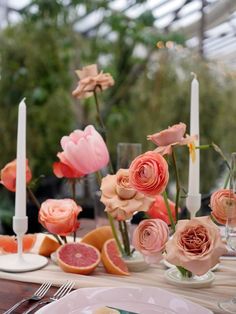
<point>8,244</point>
<point>48,246</point>
<point>82,270</point>
<point>98,237</point>
<point>107,261</point>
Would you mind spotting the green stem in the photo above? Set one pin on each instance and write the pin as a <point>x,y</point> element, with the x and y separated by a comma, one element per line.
<point>227,180</point>
<point>99,116</point>
<point>126,234</point>
<point>169,211</point>
<point>73,187</point>
<point>177,185</point>
<point>184,272</point>
<point>57,238</point>
<point>33,198</point>
<point>111,221</point>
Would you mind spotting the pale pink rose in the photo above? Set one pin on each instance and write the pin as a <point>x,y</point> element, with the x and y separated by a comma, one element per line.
<point>8,175</point>
<point>59,216</point>
<point>223,204</point>
<point>91,80</point>
<point>84,151</point>
<point>150,238</point>
<point>172,136</point>
<point>196,245</point>
<point>149,173</point>
<point>120,199</point>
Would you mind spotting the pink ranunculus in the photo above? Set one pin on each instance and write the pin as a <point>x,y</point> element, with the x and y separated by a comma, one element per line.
<point>8,175</point>
<point>59,216</point>
<point>150,238</point>
<point>120,199</point>
<point>221,203</point>
<point>91,80</point>
<point>172,136</point>
<point>158,209</point>
<point>196,245</point>
<point>84,151</point>
<point>149,173</point>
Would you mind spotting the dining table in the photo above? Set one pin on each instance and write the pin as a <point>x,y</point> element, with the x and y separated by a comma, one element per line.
<point>15,286</point>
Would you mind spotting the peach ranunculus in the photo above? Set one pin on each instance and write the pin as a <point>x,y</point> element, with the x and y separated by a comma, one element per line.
<point>62,170</point>
<point>158,209</point>
<point>91,80</point>
<point>59,216</point>
<point>196,245</point>
<point>8,175</point>
<point>149,173</point>
<point>84,151</point>
<point>150,238</point>
<point>221,203</point>
<point>172,136</point>
<point>120,199</point>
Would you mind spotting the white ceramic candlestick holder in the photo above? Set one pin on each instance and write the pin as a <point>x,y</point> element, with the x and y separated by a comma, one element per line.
<point>193,203</point>
<point>21,262</point>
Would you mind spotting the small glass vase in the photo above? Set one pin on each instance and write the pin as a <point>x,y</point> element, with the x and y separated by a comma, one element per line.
<point>174,276</point>
<point>136,262</point>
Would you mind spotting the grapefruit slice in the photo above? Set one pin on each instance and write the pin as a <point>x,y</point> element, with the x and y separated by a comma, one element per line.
<point>48,246</point>
<point>112,260</point>
<point>98,237</point>
<point>8,244</point>
<point>79,258</point>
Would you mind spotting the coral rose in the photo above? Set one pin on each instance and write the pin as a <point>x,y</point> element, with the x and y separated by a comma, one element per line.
<point>172,136</point>
<point>149,173</point>
<point>59,216</point>
<point>8,175</point>
<point>158,209</point>
<point>150,238</point>
<point>196,245</point>
<point>120,199</point>
<point>221,203</point>
<point>91,80</point>
<point>84,151</point>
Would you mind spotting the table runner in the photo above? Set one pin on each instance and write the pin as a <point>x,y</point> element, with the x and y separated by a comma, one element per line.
<point>223,287</point>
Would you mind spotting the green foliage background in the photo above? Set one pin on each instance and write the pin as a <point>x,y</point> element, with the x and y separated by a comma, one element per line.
<point>152,91</point>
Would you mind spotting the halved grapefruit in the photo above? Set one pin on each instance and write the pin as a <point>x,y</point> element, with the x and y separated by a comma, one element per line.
<point>112,260</point>
<point>79,258</point>
<point>8,244</point>
<point>98,237</point>
<point>48,246</point>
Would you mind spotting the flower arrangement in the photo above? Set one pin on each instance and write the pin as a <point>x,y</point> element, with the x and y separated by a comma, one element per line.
<point>196,244</point>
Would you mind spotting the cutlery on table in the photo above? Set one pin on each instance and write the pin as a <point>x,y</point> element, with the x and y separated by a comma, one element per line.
<point>38,295</point>
<point>61,292</point>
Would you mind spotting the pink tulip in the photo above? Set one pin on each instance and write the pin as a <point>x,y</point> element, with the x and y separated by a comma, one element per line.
<point>62,170</point>
<point>85,151</point>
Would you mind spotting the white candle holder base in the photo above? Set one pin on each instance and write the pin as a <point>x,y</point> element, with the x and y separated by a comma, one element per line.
<point>13,263</point>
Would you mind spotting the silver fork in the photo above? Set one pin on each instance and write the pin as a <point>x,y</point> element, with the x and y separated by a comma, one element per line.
<point>38,295</point>
<point>61,292</point>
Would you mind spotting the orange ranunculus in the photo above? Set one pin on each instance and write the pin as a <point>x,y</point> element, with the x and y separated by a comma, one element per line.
<point>84,151</point>
<point>196,245</point>
<point>172,136</point>
<point>150,238</point>
<point>120,199</point>
<point>158,209</point>
<point>62,170</point>
<point>149,173</point>
<point>222,204</point>
<point>91,80</point>
<point>59,216</point>
<point>8,175</point>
